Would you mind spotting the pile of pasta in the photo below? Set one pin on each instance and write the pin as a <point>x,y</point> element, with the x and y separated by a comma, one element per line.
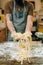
<point>24,44</point>
<point>25,36</point>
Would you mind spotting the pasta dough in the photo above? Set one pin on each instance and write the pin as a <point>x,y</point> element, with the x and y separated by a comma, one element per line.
<point>24,44</point>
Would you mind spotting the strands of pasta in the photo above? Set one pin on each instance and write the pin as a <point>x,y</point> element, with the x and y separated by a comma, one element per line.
<point>24,43</point>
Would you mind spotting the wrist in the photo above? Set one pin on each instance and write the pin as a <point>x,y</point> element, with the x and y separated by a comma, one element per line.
<point>28,32</point>
<point>12,33</point>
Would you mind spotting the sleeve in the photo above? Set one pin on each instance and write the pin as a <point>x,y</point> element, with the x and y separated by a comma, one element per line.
<point>7,8</point>
<point>30,9</point>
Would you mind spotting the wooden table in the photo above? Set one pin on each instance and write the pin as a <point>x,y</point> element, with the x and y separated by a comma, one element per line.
<point>3,35</point>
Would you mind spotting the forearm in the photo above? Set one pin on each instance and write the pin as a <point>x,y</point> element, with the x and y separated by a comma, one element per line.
<point>29,23</point>
<point>9,23</point>
<point>10,26</point>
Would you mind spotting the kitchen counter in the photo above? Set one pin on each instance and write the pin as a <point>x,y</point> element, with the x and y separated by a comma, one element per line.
<point>8,56</point>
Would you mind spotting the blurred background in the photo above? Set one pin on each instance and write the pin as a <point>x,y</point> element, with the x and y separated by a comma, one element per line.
<point>38,19</point>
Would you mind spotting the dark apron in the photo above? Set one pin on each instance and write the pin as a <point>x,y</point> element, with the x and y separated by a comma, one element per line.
<point>19,20</point>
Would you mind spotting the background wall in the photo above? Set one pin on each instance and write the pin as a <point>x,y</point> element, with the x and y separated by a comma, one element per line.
<point>3,3</point>
<point>0,3</point>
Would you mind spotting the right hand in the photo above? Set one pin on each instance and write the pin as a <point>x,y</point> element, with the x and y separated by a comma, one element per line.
<point>16,36</point>
<point>26,35</point>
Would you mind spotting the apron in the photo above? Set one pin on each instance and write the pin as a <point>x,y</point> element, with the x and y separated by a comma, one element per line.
<point>19,20</point>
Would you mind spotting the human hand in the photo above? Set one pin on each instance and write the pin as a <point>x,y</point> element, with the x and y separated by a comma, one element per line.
<point>26,35</point>
<point>16,36</point>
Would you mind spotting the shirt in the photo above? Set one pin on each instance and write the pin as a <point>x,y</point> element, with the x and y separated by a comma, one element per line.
<point>10,5</point>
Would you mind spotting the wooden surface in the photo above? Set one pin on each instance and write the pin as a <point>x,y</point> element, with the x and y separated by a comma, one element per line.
<point>3,35</point>
<point>34,61</point>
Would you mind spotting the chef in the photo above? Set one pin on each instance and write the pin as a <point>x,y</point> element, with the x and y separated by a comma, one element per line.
<point>18,16</point>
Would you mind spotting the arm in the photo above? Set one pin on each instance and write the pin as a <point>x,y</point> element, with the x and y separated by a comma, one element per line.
<point>29,18</point>
<point>8,11</point>
<point>9,23</point>
<point>29,23</point>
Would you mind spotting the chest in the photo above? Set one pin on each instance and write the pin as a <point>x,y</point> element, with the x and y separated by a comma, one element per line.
<point>20,11</point>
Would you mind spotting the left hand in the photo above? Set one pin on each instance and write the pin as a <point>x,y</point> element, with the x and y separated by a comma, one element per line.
<point>17,36</point>
<point>26,35</point>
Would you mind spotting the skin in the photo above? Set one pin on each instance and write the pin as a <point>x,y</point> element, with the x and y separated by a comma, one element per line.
<point>41,24</point>
<point>11,27</point>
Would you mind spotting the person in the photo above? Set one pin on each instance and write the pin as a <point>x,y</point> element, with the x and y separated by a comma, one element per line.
<point>19,16</point>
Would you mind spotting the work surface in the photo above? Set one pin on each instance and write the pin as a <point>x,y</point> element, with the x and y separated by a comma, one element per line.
<point>8,54</point>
